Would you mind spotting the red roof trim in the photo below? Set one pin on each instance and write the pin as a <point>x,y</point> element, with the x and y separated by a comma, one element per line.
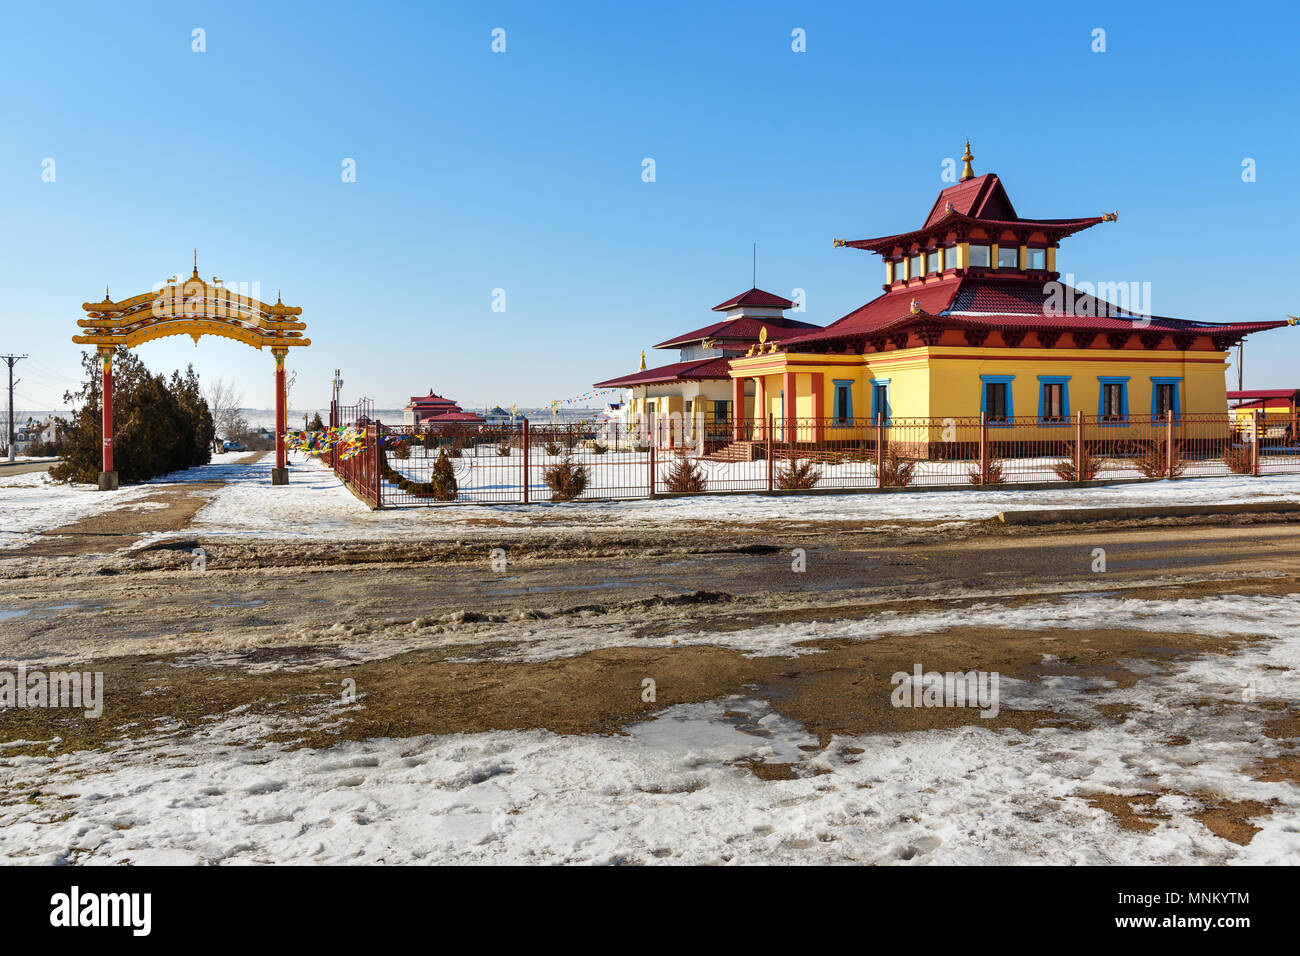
<point>757,298</point>
<point>677,372</point>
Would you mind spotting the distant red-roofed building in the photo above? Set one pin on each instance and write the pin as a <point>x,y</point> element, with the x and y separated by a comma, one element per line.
<point>435,408</point>
<point>1280,408</point>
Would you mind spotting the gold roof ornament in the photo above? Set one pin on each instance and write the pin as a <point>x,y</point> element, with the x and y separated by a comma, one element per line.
<point>916,307</point>
<point>967,171</point>
<point>762,335</point>
<point>1110,216</point>
<point>642,368</point>
<point>840,242</point>
<point>195,309</point>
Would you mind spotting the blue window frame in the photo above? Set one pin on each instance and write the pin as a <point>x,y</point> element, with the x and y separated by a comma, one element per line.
<point>843,410</point>
<point>880,400</point>
<point>1112,400</point>
<point>1164,394</point>
<point>1053,399</point>
<point>995,400</point>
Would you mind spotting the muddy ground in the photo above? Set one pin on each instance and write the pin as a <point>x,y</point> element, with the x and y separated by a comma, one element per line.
<point>434,636</point>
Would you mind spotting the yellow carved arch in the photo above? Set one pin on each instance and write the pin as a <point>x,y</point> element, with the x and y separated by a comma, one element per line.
<point>194,308</point>
<point>195,328</point>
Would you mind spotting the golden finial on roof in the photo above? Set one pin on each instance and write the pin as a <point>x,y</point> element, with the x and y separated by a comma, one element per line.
<point>642,360</point>
<point>196,264</point>
<point>967,172</point>
<point>840,242</point>
<point>1110,216</point>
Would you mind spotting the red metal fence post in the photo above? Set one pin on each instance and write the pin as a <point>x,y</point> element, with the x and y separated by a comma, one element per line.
<point>375,457</point>
<point>1078,446</point>
<point>1169,442</point>
<point>526,444</point>
<point>880,450</point>
<point>984,448</point>
<point>1254,443</point>
<point>768,450</point>
<point>653,441</point>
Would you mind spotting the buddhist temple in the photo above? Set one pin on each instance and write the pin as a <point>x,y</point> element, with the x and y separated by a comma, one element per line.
<point>974,319</point>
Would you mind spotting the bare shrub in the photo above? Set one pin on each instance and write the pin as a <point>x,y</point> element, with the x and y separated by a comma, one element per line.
<point>797,476</point>
<point>897,469</point>
<point>566,479</point>
<point>994,476</point>
<point>684,476</point>
<point>1086,470</point>
<point>1238,459</point>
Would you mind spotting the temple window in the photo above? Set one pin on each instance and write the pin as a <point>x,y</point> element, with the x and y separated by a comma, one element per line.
<point>995,402</point>
<point>880,401</point>
<point>916,265</point>
<point>950,257</point>
<point>1037,258</point>
<point>843,410</point>
<point>932,261</point>
<point>979,256</point>
<point>1112,401</point>
<point>1164,397</point>
<point>1008,257</point>
<point>1053,398</point>
<point>899,266</point>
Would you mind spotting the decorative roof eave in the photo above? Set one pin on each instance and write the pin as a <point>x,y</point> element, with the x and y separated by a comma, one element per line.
<point>1056,229</point>
<point>1219,333</point>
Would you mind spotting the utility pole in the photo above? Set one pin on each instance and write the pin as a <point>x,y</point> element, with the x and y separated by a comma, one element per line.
<point>11,360</point>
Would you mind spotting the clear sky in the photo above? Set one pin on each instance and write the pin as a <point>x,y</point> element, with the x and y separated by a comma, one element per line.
<point>522,170</point>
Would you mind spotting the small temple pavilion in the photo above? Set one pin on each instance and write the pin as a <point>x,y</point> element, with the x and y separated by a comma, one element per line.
<point>699,383</point>
<point>974,319</point>
<point>434,408</point>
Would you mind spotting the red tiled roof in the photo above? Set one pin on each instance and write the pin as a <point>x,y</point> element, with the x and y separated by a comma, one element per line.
<point>456,417</point>
<point>1264,393</point>
<point>744,329</point>
<point>677,372</point>
<point>972,302</point>
<point>1264,403</point>
<point>883,311</point>
<point>756,298</point>
<point>981,198</point>
<point>430,399</point>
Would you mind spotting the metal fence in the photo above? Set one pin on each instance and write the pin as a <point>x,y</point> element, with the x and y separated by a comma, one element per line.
<point>463,463</point>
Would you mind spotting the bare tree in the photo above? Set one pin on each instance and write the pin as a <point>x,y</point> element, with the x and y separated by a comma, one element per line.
<point>224,401</point>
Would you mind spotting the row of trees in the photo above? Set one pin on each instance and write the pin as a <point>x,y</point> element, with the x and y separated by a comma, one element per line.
<point>160,425</point>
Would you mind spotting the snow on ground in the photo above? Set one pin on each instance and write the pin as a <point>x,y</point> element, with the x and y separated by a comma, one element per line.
<point>35,502</point>
<point>315,504</point>
<point>669,789</point>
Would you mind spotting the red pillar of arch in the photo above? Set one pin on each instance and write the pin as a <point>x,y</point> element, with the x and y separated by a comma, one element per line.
<point>107,477</point>
<point>280,473</point>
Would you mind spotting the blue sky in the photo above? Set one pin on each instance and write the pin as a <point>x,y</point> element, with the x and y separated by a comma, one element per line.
<point>522,171</point>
